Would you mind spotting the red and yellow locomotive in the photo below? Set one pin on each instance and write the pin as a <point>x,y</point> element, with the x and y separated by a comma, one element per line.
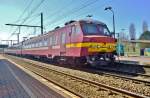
<point>84,41</point>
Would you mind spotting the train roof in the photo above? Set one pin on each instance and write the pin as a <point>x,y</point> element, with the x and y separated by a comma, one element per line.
<point>84,20</point>
<point>72,22</point>
<point>92,21</point>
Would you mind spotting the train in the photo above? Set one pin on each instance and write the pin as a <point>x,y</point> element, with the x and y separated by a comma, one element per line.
<point>82,41</point>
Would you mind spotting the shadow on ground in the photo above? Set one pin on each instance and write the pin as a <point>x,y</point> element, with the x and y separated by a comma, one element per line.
<point>120,69</point>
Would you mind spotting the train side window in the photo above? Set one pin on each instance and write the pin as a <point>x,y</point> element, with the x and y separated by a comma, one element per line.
<point>73,30</point>
<point>56,40</point>
<point>53,40</point>
<point>46,42</point>
<point>43,42</point>
<point>40,43</point>
<point>63,38</point>
<point>28,45</point>
<point>36,44</point>
<point>50,41</point>
<point>106,32</point>
<point>32,44</point>
<point>78,30</point>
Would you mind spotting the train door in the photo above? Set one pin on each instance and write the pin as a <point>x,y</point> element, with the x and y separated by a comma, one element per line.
<point>63,44</point>
<point>72,34</point>
<point>71,38</point>
<point>66,39</point>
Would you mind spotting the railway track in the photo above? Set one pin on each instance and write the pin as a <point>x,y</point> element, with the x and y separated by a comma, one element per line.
<point>117,71</point>
<point>113,73</point>
<point>101,86</point>
<point>128,93</point>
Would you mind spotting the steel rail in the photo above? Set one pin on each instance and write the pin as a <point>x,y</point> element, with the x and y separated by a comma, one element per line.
<point>103,71</point>
<point>56,83</point>
<point>128,93</point>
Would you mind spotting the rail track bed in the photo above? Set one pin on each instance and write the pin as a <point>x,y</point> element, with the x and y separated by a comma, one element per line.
<point>145,78</point>
<point>87,84</point>
<point>123,75</point>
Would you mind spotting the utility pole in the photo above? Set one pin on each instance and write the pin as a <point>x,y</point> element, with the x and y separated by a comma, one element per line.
<point>18,25</point>
<point>119,44</point>
<point>18,34</point>
<point>24,38</point>
<point>18,37</point>
<point>11,41</point>
<point>123,37</point>
<point>41,23</point>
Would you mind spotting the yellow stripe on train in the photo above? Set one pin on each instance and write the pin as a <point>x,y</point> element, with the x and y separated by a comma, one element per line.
<point>94,47</point>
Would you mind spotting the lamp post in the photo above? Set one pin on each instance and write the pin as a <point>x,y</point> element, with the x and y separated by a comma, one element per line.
<point>110,8</point>
<point>118,43</point>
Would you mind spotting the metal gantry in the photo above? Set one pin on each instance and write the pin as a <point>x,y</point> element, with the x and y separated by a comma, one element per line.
<point>18,25</point>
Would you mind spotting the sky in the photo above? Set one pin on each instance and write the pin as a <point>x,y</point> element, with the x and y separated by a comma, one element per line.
<point>57,12</point>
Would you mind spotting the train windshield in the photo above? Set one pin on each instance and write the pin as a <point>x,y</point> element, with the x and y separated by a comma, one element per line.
<point>95,29</point>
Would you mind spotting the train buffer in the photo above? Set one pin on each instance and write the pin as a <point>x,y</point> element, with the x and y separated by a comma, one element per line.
<point>15,83</point>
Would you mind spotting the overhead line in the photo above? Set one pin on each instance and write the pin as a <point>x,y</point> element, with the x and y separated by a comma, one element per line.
<point>28,6</point>
<point>94,8</point>
<point>34,16</point>
<point>32,11</point>
<point>90,9</point>
<point>72,12</point>
<point>58,11</point>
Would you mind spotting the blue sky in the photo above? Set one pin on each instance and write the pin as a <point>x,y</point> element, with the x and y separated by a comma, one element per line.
<point>57,12</point>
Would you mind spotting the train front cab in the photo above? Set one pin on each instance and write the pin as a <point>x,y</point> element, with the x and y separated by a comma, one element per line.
<point>93,44</point>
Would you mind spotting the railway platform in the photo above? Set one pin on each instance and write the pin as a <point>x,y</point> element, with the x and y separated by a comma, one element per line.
<point>135,60</point>
<point>15,83</point>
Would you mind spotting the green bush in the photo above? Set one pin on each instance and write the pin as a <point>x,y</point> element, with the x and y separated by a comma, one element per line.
<point>145,36</point>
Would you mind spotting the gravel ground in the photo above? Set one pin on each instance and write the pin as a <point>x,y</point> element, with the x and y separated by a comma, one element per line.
<point>85,89</point>
<point>112,81</point>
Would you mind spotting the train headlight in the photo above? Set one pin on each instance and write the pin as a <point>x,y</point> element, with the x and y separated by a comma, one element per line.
<point>109,46</point>
<point>98,46</point>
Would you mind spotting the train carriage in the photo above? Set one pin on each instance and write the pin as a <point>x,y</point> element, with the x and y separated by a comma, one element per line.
<point>84,41</point>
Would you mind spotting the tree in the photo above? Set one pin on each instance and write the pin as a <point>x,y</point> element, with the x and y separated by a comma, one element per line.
<point>132,32</point>
<point>145,26</point>
<point>145,36</point>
